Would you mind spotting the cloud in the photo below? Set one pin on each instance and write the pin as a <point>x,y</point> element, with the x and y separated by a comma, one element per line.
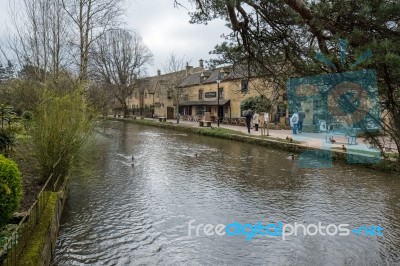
<point>166,29</point>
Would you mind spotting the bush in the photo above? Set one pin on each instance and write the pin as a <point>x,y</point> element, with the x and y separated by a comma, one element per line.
<point>17,128</point>
<point>62,123</point>
<point>6,140</point>
<point>10,189</point>
<point>27,115</point>
<point>259,103</point>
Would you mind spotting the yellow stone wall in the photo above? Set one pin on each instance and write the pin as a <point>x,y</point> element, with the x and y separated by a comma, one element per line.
<point>231,91</point>
<point>159,99</point>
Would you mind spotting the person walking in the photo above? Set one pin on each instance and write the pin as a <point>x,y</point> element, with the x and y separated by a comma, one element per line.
<point>256,121</point>
<point>266,123</point>
<point>249,115</point>
<point>294,120</point>
<point>302,115</point>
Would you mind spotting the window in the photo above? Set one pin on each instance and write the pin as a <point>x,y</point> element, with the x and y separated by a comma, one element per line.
<point>135,94</point>
<point>202,109</point>
<point>244,86</point>
<point>185,97</point>
<point>169,93</point>
<point>200,94</point>
<point>145,95</point>
<point>221,93</point>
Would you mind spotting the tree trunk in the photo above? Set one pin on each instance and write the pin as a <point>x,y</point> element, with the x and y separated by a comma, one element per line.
<point>177,114</point>
<point>125,109</point>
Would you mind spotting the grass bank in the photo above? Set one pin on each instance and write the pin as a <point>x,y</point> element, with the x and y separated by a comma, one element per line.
<point>269,142</point>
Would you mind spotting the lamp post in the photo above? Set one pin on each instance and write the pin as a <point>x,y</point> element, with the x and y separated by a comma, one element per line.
<point>218,81</point>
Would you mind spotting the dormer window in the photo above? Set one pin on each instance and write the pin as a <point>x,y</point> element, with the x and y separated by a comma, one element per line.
<point>202,77</point>
<point>221,75</point>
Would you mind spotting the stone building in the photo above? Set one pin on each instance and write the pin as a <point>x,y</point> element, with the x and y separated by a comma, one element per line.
<point>194,91</point>
<point>233,85</point>
<point>156,95</point>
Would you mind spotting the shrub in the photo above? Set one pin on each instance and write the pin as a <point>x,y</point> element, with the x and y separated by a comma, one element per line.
<point>259,103</point>
<point>27,115</point>
<point>61,125</point>
<point>17,128</point>
<point>6,140</point>
<point>10,189</point>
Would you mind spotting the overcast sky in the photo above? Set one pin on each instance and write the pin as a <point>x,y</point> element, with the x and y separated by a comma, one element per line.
<point>164,29</point>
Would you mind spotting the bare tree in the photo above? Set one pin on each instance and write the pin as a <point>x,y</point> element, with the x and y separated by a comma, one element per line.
<point>92,19</point>
<point>40,30</point>
<point>119,56</point>
<point>174,67</point>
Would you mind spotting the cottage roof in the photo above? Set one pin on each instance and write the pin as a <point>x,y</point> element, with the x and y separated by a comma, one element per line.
<point>211,76</point>
<point>151,83</point>
<point>142,84</point>
<point>191,80</point>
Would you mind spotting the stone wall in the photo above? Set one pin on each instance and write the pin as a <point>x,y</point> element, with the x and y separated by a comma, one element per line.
<point>42,238</point>
<point>52,232</point>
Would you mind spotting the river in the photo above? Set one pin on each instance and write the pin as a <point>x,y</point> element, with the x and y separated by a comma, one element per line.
<point>123,214</point>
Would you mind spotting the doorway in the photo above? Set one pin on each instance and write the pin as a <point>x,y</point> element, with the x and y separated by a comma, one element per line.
<point>170,112</point>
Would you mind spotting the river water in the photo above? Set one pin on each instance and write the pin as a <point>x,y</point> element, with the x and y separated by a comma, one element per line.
<point>123,214</point>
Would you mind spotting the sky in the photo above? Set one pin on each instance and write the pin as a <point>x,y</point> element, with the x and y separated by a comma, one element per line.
<point>164,28</point>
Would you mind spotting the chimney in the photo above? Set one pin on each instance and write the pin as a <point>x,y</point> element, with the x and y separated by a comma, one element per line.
<point>158,72</point>
<point>201,63</point>
<point>189,69</point>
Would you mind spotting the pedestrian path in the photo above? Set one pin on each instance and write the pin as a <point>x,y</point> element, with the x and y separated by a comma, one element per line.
<point>316,140</point>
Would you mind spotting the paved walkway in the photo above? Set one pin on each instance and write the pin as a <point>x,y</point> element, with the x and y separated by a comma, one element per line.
<point>316,140</point>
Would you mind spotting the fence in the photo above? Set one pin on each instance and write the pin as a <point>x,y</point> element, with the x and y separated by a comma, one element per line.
<point>15,244</point>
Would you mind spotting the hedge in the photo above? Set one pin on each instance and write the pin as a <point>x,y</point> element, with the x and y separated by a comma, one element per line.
<point>10,189</point>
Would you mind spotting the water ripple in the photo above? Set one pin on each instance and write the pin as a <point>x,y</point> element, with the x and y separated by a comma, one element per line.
<point>138,215</point>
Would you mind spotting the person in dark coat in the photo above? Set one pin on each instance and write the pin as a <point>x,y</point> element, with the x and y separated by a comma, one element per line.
<point>302,115</point>
<point>249,116</point>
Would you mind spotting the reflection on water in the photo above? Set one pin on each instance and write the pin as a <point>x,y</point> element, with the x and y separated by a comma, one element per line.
<point>124,214</point>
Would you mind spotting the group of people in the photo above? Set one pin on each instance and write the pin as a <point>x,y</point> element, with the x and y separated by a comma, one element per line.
<point>296,120</point>
<point>254,118</point>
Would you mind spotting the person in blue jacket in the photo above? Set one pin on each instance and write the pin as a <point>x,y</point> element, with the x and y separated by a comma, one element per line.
<point>294,120</point>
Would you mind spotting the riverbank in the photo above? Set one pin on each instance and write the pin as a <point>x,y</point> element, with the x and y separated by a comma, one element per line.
<point>292,146</point>
<point>30,237</point>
